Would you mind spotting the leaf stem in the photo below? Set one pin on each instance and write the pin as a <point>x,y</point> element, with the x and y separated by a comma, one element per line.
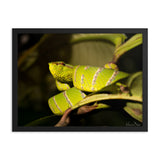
<point>133,42</point>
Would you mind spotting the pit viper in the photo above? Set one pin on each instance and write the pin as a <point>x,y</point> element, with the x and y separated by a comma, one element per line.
<point>84,79</point>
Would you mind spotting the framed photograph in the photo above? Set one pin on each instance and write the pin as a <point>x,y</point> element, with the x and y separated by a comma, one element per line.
<point>79,79</point>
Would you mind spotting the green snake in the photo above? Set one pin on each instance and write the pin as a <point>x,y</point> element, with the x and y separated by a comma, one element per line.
<point>83,79</point>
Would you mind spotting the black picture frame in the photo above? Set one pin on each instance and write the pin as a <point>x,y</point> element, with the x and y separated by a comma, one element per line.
<point>16,31</point>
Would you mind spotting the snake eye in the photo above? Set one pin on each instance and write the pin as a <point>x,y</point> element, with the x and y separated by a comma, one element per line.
<point>62,63</point>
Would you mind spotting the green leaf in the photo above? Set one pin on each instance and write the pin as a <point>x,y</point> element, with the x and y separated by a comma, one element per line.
<point>102,105</point>
<point>100,97</point>
<point>131,43</point>
<point>134,110</point>
<point>93,53</point>
<point>94,49</point>
<point>134,83</point>
<point>116,39</point>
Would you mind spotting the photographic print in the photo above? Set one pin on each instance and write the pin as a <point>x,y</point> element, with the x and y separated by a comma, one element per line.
<point>79,79</point>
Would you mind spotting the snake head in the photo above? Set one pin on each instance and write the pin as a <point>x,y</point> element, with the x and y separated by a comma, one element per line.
<point>61,71</point>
